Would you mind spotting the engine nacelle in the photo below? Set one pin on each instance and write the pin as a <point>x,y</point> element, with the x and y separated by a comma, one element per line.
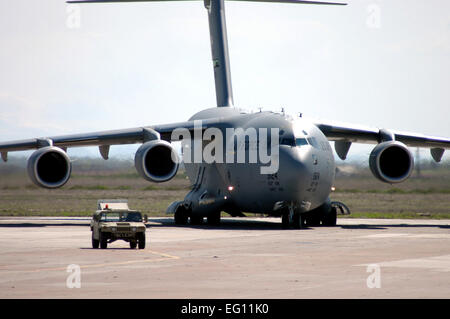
<point>156,161</point>
<point>49,167</point>
<point>391,162</point>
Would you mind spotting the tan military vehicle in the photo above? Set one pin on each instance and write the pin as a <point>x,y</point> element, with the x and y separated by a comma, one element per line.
<point>113,220</point>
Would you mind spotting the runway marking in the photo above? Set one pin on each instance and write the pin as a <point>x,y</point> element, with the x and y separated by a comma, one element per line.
<point>119,263</point>
<point>391,235</point>
<point>437,263</point>
<point>394,235</point>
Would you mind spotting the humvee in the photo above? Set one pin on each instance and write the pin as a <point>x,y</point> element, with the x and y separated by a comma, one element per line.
<point>113,220</point>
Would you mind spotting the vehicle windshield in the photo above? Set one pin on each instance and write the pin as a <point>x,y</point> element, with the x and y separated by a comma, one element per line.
<point>121,217</point>
<point>132,217</point>
<point>110,217</point>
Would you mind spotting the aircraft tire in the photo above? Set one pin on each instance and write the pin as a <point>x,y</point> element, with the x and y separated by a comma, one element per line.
<point>285,221</point>
<point>330,218</point>
<point>196,220</point>
<point>313,219</point>
<point>214,219</point>
<point>298,221</point>
<point>180,216</point>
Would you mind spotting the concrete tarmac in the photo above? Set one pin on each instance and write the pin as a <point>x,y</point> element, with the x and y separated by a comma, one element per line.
<point>242,258</point>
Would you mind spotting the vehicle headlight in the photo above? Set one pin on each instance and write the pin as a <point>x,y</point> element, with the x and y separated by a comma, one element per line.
<point>113,229</point>
<point>133,229</point>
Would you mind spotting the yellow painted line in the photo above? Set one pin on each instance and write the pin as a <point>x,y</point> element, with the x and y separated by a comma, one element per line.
<point>163,254</point>
<point>119,263</point>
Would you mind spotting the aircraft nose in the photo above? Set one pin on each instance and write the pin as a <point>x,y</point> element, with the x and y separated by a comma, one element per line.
<point>294,168</point>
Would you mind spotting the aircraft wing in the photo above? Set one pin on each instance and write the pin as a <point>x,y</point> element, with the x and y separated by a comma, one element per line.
<point>344,134</point>
<point>103,138</point>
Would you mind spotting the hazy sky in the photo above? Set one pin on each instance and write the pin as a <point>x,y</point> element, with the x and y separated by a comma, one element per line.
<point>376,63</point>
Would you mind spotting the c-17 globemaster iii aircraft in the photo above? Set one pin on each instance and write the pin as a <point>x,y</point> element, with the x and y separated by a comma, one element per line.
<point>293,182</point>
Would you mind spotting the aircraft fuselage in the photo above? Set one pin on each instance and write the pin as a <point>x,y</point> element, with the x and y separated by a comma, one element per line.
<point>304,172</point>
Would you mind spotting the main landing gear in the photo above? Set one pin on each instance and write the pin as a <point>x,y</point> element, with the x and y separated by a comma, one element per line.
<point>182,216</point>
<point>325,215</point>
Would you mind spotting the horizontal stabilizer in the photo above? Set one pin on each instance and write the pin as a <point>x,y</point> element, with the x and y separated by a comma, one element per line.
<point>299,2</point>
<point>278,1</point>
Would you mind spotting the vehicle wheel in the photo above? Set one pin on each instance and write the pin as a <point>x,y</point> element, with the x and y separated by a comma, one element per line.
<point>141,240</point>
<point>196,220</point>
<point>330,218</point>
<point>133,244</point>
<point>103,241</point>
<point>180,216</point>
<point>298,221</point>
<point>95,242</point>
<point>214,219</point>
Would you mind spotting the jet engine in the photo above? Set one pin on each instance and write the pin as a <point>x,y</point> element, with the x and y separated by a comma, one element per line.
<point>49,167</point>
<point>156,161</point>
<point>391,162</point>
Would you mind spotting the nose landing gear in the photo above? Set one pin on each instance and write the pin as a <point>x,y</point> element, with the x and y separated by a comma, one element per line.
<point>292,218</point>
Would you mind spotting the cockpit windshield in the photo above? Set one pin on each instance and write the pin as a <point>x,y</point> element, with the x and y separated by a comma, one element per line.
<point>301,141</point>
<point>290,141</point>
<point>313,142</point>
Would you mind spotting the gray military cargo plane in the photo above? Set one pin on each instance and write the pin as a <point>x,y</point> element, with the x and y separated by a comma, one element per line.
<point>294,186</point>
